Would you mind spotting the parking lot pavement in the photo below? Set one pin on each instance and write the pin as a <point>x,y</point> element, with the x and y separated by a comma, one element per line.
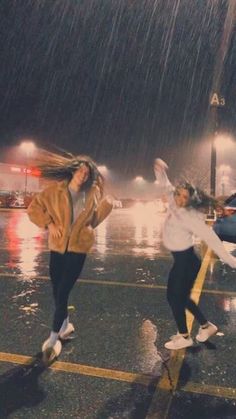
<point>116,365</point>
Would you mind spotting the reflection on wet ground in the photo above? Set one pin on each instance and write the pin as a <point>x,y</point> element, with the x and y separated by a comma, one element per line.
<point>122,320</point>
<point>126,232</point>
<point>126,238</point>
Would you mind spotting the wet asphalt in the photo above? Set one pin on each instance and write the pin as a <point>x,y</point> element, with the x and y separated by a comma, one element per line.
<point>116,365</point>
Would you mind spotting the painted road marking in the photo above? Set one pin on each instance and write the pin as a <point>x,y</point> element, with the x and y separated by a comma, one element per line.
<point>121,284</point>
<point>210,390</point>
<point>81,369</point>
<point>144,379</point>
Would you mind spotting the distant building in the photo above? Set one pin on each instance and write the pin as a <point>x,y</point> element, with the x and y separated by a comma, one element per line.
<point>13,178</point>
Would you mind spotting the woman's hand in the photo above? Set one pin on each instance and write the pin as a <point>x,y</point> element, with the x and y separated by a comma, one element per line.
<point>160,165</point>
<point>116,203</point>
<point>55,231</point>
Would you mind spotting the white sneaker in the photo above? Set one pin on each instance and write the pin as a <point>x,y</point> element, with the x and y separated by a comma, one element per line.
<point>179,342</point>
<point>51,352</point>
<point>67,332</point>
<point>206,333</point>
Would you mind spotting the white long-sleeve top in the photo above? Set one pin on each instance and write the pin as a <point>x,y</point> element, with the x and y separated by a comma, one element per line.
<point>182,224</point>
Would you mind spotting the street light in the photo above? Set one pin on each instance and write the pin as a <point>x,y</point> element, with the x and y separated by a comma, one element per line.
<point>216,102</point>
<point>223,142</point>
<point>28,148</point>
<point>224,172</point>
<point>139,179</point>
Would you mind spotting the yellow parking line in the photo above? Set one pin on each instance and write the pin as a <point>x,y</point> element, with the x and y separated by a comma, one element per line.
<point>220,292</point>
<point>210,390</point>
<point>153,286</point>
<point>124,284</point>
<point>103,373</point>
<point>92,281</point>
<point>81,369</point>
<point>121,284</point>
<point>143,379</point>
<point>177,357</point>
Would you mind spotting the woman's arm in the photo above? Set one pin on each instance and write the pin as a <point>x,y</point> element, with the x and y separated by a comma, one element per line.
<point>164,185</point>
<point>197,226</point>
<point>103,210</point>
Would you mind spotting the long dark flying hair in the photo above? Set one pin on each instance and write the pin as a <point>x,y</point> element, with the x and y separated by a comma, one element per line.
<point>57,167</point>
<point>198,198</point>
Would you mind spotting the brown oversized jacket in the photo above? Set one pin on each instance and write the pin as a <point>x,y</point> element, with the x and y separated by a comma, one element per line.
<point>54,205</point>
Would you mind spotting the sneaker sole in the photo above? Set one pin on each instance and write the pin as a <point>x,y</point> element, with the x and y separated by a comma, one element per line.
<point>212,334</point>
<point>177,349</point>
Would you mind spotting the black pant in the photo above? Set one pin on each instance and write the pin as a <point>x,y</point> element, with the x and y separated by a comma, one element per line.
<point>64,270</point>
<point>181,280</point>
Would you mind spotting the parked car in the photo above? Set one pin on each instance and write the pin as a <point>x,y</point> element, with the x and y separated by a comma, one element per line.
<point>225,224</point>
<point>18,203</point>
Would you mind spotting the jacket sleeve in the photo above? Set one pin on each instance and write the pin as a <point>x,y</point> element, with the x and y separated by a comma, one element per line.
<point>197,226</point>
<point>164,186</point>
<point>37,211</point>
<point>102,211</point>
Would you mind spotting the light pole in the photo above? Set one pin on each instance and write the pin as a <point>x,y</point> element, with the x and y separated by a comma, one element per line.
<point>27,147</point>
<point>213,166</point>
<point>216,101</point>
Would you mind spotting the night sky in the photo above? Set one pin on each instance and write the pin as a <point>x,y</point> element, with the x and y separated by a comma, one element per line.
<point>121,80</point>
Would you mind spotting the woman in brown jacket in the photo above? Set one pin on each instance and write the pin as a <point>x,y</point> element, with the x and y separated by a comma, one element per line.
<point>70,209</point>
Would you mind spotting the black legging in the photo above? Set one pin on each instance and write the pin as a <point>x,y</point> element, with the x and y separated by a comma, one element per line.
<point>64,270</point>
<point>180,282</point>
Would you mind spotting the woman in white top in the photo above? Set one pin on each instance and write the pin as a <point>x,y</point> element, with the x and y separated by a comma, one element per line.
<point>185,219</point>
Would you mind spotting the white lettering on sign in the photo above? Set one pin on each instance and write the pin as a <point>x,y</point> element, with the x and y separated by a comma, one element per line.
<point>217,100</point>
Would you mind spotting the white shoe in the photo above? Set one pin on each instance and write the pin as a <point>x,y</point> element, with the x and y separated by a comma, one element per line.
<point>179,342</point>
<point>51,352</point>
<point>67,332</point>
<point>206,333</point>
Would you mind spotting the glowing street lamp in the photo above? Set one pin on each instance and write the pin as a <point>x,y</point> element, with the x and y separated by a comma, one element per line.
<point>223,142</point>
<point>220,142</point>
<point>139,179</point>
<point>224,174</point>
<point>28,148</point>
